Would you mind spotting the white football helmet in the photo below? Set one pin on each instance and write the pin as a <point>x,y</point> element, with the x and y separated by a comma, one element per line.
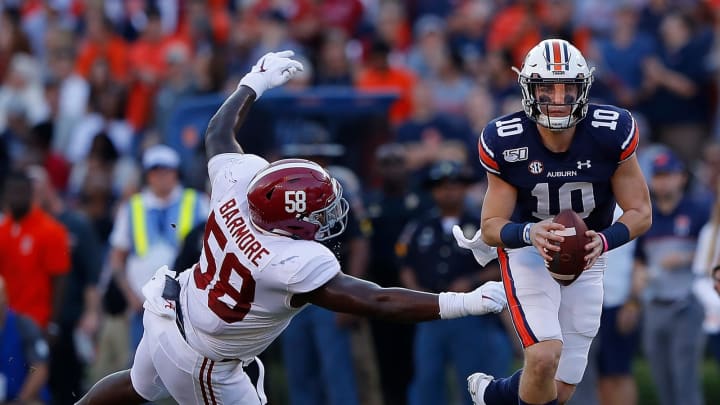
<point>549,62</point>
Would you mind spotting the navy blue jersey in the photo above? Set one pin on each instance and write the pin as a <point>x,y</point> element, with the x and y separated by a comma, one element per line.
<point>548,182</point>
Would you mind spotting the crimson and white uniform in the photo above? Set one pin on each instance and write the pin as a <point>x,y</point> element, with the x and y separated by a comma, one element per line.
<point>234,303</point>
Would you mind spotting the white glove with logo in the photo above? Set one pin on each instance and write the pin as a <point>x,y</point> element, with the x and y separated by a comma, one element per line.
<point>153,291</point>
<point>482,252</point>
<point>488,298</point>
<point>272,70</point>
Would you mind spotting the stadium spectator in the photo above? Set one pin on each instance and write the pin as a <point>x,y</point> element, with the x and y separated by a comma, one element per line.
<point>620,58</point>
<point>706,286</point>
<point>148,66</point>
<point>431,261</point>
<point>676,81</point>
<point>12,38</point>
<point>104,114</point>
<point>379,75</point>
<point>23,357</point>
<point>66,91</point>
<point>34,251</point>
<point>79,315</point>
<point>101,43</point>
<point>22,90</point>
<point>389,208</point>
<point>672,323</point>
<point>333,67</point>
<point>430,42</point>
<point>149,228</point>
<point>426,129</point>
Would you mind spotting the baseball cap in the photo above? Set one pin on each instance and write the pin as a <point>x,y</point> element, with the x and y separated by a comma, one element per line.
<point>448,170</point>
<point>429,24</point>
<point>160,156</point>
<point>667,162</point>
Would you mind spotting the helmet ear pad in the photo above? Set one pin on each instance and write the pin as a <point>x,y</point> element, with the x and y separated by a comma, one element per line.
<point>554,61</point>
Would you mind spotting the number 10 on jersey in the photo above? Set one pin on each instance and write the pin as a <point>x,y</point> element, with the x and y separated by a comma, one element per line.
<point>564,198</point>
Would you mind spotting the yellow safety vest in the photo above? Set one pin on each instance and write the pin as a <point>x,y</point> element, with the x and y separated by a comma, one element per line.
<point>137,213</point>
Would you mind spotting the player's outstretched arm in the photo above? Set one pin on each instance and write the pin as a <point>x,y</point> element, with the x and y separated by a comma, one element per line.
<point>272,70</point>
<point>355,296</point>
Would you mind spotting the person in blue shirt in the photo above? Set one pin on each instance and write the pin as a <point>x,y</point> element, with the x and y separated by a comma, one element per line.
<point>672,333</point>
<point>431,261</point>
<point>23,357</point>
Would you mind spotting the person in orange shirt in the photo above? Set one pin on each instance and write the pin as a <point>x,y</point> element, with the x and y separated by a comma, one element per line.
<point>380,76</point>
<point>101,42</point>
<point>147,68</point>
<point>34,254</point>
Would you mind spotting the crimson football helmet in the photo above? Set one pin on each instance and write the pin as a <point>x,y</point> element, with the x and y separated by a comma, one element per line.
<point>299,199</point>
<point>549,62</point>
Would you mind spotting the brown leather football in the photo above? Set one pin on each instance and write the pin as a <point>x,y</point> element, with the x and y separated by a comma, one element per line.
<point>567,264</point>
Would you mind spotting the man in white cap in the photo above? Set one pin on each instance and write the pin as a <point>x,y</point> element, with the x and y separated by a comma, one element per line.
<point>150,227</point>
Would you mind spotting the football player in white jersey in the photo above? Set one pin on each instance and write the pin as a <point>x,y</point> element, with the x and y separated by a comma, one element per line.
<point>260,265</point>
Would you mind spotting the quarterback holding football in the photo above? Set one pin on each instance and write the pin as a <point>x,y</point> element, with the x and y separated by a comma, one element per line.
<point>559,153</point>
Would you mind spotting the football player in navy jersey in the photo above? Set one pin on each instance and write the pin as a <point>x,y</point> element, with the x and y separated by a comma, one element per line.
<point>559,153</point>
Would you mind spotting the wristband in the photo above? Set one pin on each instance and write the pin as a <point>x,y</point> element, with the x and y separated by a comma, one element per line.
<point>604,241</point>
<point>514,235</point>
<point>452,305</point>
<point>526,233</point>
<point>614,236</point>
<point>256,82</point>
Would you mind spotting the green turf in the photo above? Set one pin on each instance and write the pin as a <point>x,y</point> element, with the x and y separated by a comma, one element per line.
<point>646,388</point>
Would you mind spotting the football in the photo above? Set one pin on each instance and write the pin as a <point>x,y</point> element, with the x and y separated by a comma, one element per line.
<point>567,264</point>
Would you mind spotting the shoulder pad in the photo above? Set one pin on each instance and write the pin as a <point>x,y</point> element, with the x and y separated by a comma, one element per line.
<point>617,126</point>
<point>500,134</point>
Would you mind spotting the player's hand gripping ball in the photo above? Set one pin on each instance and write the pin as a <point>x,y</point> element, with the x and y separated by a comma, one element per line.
<point>567,264</point>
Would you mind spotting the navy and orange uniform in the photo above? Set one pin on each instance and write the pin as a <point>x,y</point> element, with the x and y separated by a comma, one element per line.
<point>548,182</point>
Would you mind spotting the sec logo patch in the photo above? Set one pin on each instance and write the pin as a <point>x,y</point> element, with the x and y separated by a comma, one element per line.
<point>535,167</point>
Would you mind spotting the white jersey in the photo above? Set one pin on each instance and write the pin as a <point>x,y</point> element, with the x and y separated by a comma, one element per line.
<point>237,300</point>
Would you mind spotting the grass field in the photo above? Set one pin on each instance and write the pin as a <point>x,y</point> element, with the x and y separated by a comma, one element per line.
<point>646,389</point>
<point>277,388</point>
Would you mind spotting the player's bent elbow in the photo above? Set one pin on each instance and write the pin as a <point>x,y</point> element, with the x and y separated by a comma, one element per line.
<point>640,222</point>
<point>490,236</point>
<point>645,221</point>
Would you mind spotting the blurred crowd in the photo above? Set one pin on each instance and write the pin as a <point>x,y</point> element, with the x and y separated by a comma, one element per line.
<point>95,199</point>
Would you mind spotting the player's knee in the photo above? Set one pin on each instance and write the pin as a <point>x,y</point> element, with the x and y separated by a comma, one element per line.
<point>542,359</point>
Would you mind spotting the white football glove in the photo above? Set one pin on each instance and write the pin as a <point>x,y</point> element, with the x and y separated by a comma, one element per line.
<point>482,252</point>
<point>272,70</point>
<point>153,291</point>
<point>488,298</point>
